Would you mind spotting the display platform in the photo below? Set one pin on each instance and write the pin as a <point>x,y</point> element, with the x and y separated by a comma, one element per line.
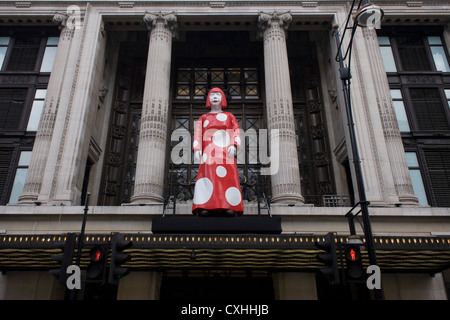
<point>217,225</point>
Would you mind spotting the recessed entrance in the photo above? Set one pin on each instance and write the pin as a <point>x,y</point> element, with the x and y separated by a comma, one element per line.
<point>208,285</point>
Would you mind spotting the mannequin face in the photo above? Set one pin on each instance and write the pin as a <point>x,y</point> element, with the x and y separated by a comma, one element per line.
<point>215,98</point>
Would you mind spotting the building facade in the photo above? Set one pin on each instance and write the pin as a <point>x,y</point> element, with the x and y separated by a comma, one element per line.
<point>101,98</point>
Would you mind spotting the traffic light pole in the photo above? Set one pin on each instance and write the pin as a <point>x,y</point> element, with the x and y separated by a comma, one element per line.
<point>83,227</point>
<point>345,77</point>
<point>73,292</point>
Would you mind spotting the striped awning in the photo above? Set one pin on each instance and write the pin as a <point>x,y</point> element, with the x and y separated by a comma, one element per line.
<point>273,252</point>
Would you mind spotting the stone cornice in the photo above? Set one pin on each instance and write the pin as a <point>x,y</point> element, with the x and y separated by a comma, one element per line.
<point>218,4</point>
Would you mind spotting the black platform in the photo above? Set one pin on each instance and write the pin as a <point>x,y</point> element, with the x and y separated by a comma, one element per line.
<point>218,225</point>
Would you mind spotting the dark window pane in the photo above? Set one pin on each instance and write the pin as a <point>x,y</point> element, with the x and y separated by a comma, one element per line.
<point>11,107</point>
<point>438,163</point>
<point>413,55</point>
<point>5,160</point>
<point>24,53</point>
<point>429,110</point>
<point>23,59</point>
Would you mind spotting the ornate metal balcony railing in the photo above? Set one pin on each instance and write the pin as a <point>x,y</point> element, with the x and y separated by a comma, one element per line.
<point>254,190</point>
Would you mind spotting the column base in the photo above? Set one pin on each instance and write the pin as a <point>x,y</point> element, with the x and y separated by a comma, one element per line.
<point>145,199</point>
<point>409,200</point>
<point>288,199</point>
<point>29,199</point>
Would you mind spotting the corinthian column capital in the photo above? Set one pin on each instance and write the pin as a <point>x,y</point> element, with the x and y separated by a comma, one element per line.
<point>167,19</point>
<point>68,22</point>
<point>60,19</point>
<point>274,19</point>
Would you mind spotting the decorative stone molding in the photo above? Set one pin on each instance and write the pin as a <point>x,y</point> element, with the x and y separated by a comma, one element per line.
<point>414,3</point>
<point>341,152</point>
<point>125,4</point>
<point>267,20</point>
<point>94,150</point>
<point>309,4</point>
<point>102,93</point>
<point>22,4</point>
<point>220,4</point>
<point>61,20</point>
<point>167,19</point>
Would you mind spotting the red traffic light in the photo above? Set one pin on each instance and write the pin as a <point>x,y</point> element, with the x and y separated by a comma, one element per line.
<point>354,266</point>
<point>352,254</point>
<point>97,254</point>
<point>96,267</point>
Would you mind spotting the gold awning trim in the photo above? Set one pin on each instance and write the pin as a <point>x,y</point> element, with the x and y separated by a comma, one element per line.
<point>244,251</point>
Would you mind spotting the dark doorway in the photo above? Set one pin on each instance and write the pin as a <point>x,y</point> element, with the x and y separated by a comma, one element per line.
<point>217,288</point>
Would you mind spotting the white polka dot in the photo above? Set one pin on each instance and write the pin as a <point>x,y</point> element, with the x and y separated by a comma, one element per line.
<point>203,191</point>
<point>238,140</point>
<point>221,171</point>
<point>203,160</point>
<point>205,123</point>
<point>221,138</point>
<point>195,143</point>
<point>221,117</point>
<point>233,196</point>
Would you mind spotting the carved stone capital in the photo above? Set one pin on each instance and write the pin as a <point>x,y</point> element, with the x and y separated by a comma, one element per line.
<point>67,22</point>
<point>168,19</point>
<point>281,19</point>
<point>60,19</point>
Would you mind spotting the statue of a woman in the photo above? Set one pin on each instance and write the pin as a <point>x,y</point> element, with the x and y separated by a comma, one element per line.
<point>216,139</point>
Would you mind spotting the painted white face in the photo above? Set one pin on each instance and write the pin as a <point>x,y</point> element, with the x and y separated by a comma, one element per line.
<point>215,98</point>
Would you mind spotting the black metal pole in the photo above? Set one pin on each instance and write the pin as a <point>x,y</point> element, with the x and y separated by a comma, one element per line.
<point>345,77</point>
<point>83,227</point>
<point>73,292</point>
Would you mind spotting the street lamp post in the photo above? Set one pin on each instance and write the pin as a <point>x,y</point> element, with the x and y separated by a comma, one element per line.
<point>363,16</point>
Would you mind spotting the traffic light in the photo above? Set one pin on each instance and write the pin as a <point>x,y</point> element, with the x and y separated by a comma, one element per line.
<point>95,271</point>
<point>118,257</point>
<point>65,260</point>
<point>331,271</point>
<point>354,271</point>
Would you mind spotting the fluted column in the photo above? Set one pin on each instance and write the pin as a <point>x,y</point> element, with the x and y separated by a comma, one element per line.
<point>44,132</point>
<point>149,180</point>
<point>394,144</point>
<point>285,182</point>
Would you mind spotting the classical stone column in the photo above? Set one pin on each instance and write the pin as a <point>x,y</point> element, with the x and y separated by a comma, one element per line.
<point>394,144</point>
<point>149,180</point>
<point>280,114</point>
<point>44,132</point>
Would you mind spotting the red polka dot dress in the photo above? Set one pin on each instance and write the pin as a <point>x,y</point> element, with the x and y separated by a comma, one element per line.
<point>217,187</point>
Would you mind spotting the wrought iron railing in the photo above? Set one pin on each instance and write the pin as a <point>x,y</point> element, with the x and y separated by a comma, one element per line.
<point>254,190</point>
